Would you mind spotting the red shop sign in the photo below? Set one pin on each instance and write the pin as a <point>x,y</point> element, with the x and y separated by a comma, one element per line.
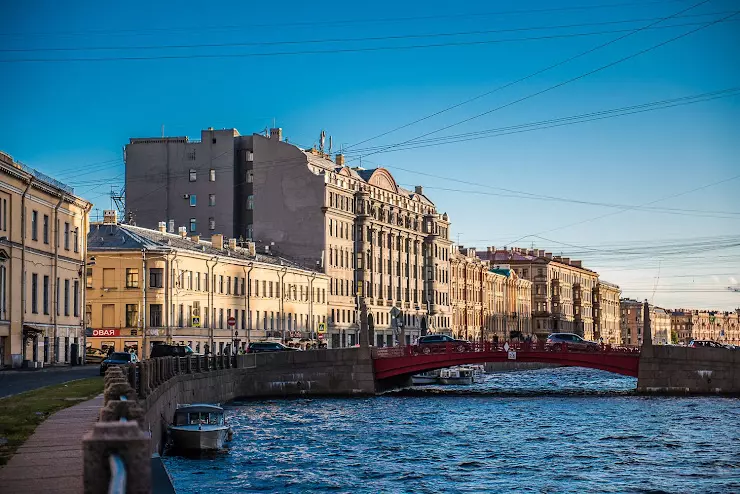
<point>106,332</point>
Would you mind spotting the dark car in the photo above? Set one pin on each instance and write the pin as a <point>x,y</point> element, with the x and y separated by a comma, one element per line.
<point>558,341</point>
<point>94,355</point>
<point>707,344</point>
<point>268,346</point>
<point>117,358</point>
<point>170,351</point>
<point>436,343</point>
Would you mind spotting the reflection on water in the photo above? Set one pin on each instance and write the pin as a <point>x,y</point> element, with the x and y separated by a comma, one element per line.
<point>551,430</point>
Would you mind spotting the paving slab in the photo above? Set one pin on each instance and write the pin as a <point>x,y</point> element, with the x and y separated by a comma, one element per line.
<point>51,460</point>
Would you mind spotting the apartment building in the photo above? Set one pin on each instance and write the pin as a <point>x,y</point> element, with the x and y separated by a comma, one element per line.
<point>486,300</point>
<point>148,286</point>
<point>607,327</point>
<point>42,251</point>
<point>381,245</point>
<point>720,326</point>
<point>633,328</point>
<point>562,289</point>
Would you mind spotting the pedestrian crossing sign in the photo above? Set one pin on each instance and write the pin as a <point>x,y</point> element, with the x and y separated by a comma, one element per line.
<point>322,327</point>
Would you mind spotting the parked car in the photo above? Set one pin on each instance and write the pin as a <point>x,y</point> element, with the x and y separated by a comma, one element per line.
<point>163,350</point>
<point>268,346</point>
<point>94,355</point>
<point>435,343</point>
<point>558,341</point>
<point>117,358</point>
<point>706,344</point>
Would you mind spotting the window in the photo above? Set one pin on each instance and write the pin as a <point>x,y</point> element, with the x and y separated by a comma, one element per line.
<point>211,199</point>
<point>212,175</point>
<point>250,176</point>
<point>250,202</point>
<point>89,277</point>
<point>193,200</point>
<point>34,225</point>
<point>192,175</point>
<point>66,236</point>
<point>46,228</point>
<point>250,231</point>
<point>4,215</point>
<point>46,295</point>
<point>66,297</point>
<point>34,293</point>
<point>155,315</point>
<point>58,298</point>
<point>211,223</point>
<point>132,277</point>
<point>109,278</point>
<point>155,280</point>
<point>76,305</point>
<point>193,225</point>
<point>77,239</point>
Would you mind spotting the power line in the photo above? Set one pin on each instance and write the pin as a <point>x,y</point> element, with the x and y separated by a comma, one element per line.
<point>341,40</point>
<point>325,22</point>
<point>581,76</point>
<point>326,52</point>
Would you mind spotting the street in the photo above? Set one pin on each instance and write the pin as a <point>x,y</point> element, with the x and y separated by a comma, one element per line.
<point>14,382</point>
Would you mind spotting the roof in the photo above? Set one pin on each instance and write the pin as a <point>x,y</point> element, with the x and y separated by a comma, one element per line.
<point>106,237</point>
<point>198,408</point>
<point>516,255</point>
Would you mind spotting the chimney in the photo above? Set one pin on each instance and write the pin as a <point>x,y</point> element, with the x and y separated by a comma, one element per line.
<point>110,217</point>
<point>540,253</point>
<point>566,260</point>
<point>548,255</point>
<point>531,252</point>
<point>232,243</point>
<point>340,159</point>
<point>576,264</point>
<point>218,241</point>
<point>162,227</point>
<point>195,238</point>
<point>182,231</point>
<point>419,190</point>
<point>276,133</point>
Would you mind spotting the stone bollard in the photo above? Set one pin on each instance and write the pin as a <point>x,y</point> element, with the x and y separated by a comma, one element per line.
<point>124,439</point>
<point>116,410</point>
<point>189,365</point>
<point>131,375</point>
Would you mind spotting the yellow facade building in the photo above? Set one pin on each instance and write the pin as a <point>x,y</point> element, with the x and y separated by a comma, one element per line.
<point>42,251</point>
<point>146,287</point>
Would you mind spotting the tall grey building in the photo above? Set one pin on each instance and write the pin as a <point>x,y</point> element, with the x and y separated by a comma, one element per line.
<point>381,244</point>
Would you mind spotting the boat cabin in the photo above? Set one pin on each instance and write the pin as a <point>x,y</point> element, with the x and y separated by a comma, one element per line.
<point>199,415</point>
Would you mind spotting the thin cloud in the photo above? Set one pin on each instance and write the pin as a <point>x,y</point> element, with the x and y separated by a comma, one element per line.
<point>733,280</point>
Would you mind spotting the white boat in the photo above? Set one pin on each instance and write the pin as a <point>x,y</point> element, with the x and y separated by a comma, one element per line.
<point>456,375</point>
<point>429,377</point>
<point>478,371</point>
<point>199,427</point>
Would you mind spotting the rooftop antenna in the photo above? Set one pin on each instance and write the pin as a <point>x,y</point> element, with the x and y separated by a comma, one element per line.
<point>331,144</point>
<point>322,141</point>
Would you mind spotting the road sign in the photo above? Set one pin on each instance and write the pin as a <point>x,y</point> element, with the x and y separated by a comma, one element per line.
<point>231,322</point>
<point>322,327</point>
<point>395,311</point>
<point>506,346</point>
<point>512,355</point>
<point>196,321</point>
<point>321,336</point>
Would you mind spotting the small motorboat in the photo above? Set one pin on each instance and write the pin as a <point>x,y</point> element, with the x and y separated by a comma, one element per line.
<point>429,377</point>
<point>199,427</point>
<point>456,375</point>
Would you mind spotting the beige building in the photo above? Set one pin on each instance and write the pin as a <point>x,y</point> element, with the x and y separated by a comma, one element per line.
<point>607,327</point>
<point>486,300</point>
<point>148,286</point>
<point>382,246</point>
<point>562,289</point>
<point>632,323</point>
<point>42,251</point>
<point>720,326</point>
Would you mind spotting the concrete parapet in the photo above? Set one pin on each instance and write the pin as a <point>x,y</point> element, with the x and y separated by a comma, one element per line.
<point>124,439</point>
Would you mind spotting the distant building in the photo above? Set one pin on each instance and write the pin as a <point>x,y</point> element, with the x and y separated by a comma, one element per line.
<point>607,313</point>
<point>562,289</point>
<point>382,246</point>
<point>148,286</point>
<point>487,301</point>
<point>633,323</point>
<point>42,252</point>
<point>720,326</point>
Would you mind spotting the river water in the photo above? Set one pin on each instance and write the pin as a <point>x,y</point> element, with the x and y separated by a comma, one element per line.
<point>550,430</point>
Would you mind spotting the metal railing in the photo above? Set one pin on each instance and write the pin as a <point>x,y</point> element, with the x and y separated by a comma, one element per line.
<point>501,346</point>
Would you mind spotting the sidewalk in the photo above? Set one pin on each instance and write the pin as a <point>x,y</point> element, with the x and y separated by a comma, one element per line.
<point>51,460</point>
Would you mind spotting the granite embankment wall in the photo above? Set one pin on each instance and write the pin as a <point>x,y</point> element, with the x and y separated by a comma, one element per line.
<point>682,370</point>
<point>345,372</point>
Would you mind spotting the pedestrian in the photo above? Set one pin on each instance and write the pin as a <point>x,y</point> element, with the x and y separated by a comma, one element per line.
<point>110,350</point>
<point>495,342</point>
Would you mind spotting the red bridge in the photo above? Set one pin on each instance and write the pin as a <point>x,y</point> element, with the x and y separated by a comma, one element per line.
<point>391,362</point>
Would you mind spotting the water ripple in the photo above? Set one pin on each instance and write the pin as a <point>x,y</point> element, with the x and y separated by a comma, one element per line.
<point>554,430</point>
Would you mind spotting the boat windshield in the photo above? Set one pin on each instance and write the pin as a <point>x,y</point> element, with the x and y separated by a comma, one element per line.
<point>196,418</point>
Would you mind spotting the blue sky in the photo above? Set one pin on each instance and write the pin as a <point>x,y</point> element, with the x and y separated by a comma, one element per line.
<point>60,116</point>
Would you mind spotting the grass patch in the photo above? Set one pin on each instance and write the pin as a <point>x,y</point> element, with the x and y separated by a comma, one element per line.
<point>21,413</point>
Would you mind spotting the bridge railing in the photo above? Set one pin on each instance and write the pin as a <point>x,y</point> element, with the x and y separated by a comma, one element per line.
<point>489,346</point>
